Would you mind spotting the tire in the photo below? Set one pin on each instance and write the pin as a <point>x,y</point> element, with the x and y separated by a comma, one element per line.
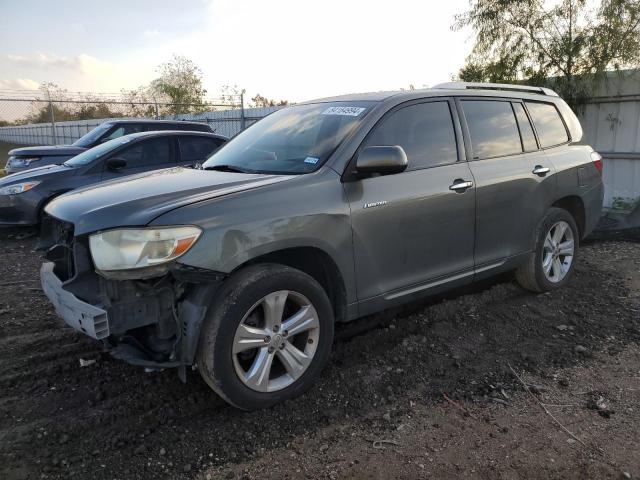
<point>533,274</point>
<point>239,335</point>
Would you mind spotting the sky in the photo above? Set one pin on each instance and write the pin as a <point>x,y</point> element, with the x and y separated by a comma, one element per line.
<point>282,49</point>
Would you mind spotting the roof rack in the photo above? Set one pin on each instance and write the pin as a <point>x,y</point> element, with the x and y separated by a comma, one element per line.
<point>495,86</point>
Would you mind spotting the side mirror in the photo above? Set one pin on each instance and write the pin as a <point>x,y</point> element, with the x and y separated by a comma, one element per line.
<point>115,164</point>
<point>383,159</point>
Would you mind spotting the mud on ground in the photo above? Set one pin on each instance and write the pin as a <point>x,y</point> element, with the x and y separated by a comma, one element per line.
<point>424,393</point>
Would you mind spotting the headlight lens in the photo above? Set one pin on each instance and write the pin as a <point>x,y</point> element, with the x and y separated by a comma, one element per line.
<point>127,249</point>
<point>18,188</point>
<point>23,161</point>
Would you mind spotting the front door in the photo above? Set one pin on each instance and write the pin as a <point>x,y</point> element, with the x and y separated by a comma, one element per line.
<point>413,228</point>
<point>142,156</point>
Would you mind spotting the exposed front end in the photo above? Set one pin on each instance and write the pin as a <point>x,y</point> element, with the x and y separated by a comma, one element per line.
<point>152,321</point>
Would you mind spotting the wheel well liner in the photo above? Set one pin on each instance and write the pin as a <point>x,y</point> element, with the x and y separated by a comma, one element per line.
<point>574,205</point>
<point>317,264</point>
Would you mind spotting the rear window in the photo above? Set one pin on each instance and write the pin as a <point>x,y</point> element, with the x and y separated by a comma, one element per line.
<point>492,128</point>
<point>549,125</point>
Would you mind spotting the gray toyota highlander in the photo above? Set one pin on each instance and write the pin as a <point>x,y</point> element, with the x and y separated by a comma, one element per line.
<point>321,213</point>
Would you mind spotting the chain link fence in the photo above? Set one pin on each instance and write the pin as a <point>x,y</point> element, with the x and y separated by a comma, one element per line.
<point>40,118</point>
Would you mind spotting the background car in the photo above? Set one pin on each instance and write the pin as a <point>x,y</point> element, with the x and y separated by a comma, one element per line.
<point>23,195</point>
<point>26,158</point>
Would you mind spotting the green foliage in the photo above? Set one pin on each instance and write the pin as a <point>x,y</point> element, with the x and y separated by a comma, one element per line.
<point>260,101</point>
<point>180,83</point>
<point>565,45</point>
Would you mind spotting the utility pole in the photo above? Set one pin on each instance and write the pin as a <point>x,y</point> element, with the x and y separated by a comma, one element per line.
<point>242,117</point>
<point>53,118</point>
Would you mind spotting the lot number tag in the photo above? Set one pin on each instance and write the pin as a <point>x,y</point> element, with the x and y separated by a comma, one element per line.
<point>348,111</point>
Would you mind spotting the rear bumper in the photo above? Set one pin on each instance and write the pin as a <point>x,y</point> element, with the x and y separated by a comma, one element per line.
<point>88,319</point>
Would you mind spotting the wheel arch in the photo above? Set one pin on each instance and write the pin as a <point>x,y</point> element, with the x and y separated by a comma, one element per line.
<point>316,263</point>
<point>575,206</point>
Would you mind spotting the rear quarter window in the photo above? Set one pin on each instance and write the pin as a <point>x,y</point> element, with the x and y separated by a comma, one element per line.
<point>548,123</point>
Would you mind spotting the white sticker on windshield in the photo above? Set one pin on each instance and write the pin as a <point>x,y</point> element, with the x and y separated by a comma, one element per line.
<point>349,111</point>
<point>312,160</point>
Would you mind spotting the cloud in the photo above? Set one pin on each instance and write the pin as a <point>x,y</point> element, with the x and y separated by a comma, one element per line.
<point>151,33</point>
<point>18,84</point>
<point>83,63</point>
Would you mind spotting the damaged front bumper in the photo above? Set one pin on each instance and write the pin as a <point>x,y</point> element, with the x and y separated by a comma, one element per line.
<point>150,322</point>
<point>88,319</point>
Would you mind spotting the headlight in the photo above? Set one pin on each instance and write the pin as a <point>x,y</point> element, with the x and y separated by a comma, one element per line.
<point>18,188</point>
<point>139,248</point>
<point>23,161</point>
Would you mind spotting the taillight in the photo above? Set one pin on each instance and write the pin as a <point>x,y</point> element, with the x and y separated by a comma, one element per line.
<point>596,158</point>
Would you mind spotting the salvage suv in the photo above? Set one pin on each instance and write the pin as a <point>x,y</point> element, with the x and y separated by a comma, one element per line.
<point>321,213</point>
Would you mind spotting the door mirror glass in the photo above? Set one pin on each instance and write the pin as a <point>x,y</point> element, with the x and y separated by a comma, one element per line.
<point>382,159</point>
<point>115,164</point>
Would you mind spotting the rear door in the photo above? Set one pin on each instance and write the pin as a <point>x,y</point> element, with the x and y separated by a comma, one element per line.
<point>196,149</point>
<point>411,228</point>
<point>149,154</point>
<point>514,180</point>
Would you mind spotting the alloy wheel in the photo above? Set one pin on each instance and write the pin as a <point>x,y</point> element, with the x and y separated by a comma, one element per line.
<point>558,252</point>
<point>276,341</point>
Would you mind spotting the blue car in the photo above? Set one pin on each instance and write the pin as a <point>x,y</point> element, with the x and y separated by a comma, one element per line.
<point>24,195</point>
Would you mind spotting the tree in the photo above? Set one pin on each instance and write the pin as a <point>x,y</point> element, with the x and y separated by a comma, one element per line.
<point>260,101</point>
<point>180,83</point>
<point>566,46</point>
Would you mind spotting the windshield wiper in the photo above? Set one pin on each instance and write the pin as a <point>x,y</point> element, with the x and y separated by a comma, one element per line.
<point>227,168</point>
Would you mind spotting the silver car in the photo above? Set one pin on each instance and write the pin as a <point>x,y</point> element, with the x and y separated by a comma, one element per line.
<point>321,213</point>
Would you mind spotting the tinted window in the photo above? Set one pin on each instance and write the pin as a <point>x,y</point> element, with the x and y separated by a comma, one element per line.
<point>149,152</point>
<point>425,131</point>
<point>185,127</point>
<point>89,139</point>
<point>196,149</point>
<point>548,124</point>
<point>492,128</point>
<point>124,130</point>
<point>526,130</point>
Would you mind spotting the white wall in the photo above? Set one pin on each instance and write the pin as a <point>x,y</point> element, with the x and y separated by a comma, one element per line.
<point>224,122</point>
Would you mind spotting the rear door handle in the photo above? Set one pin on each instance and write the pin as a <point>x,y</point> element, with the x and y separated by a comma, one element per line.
<point>540,170</point>
<point>460,185</point>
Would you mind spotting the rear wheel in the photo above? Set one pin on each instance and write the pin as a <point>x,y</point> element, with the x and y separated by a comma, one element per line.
<point>267,336</point>
<point>551,263</point>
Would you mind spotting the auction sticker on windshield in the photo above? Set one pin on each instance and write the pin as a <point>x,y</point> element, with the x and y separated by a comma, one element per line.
<point>349,111</point>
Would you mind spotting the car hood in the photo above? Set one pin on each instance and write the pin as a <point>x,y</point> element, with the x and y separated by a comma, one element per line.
<point>138,199</point>
<point>52,150</point>
<point>40,173</point>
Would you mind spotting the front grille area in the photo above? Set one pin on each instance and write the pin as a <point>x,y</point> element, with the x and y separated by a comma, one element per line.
<point>56,240</point>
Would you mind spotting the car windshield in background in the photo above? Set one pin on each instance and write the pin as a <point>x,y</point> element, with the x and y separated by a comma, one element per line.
<point>90,155</point>
<point>294,140</point>
<point>90,138</point>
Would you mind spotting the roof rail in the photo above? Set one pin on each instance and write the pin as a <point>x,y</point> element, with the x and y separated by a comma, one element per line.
<point>495,86</point>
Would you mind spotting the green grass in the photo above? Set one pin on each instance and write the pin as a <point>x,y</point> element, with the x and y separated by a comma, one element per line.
<point>4,154</point>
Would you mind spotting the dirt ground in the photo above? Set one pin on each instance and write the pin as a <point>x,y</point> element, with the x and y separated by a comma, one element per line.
<point>430,392</point>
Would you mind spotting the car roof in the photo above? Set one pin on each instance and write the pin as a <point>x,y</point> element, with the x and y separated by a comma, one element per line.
<point>173,133</point>
<point>448,89</point>
<point>152,121</point>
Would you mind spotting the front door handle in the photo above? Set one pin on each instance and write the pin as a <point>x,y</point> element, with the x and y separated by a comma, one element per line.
<point>540,170</point>
<point>460,185</point>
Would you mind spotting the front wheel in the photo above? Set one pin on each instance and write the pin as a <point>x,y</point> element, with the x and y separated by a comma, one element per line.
<point>552,262</point>
<point>266,337</point>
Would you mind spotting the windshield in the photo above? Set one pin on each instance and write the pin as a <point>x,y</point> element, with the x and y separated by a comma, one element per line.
<point>90,138</point>
<point>294,140</point>
<point>90,155</point>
